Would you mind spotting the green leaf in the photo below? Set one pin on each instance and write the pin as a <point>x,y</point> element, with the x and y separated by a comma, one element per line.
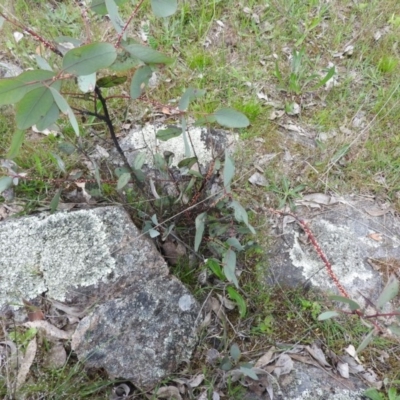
<point>90,58</point>
<point>52,116</point>
<point>200,225</point>
<point>235,352</point>
<point>66,148</point>
<point>367,340</point>
<point>147,54</point>
<point>140,159</point>
<point>160,163</point>
<point>16,143</point>
<point>352,304</point>
<point>55,201</point>
<point>340,153</point>
<point>327,315</point>
<point>115,18</point>
<point>66,109</point>
<point>215,268</point>
<point>164,8</point>
<point>231,118</point>
<point>86,83</point>
<point>229,262</point>
<point>111,81</point>
<point>238,299</point>
<point>249,372</point>
<point>1,22</point>
<point>153,233</point>
<point>188,152</point>
<point>34,106</point>
<point>373,394</point>
<point>394,329</point>
<point>234,242</point>
<point>140,79</point>
<point>169,133</point>
<point>99,6</point>
<point>5,183</point>
<point>189,95</point>
<point>42,63</point>
<point>124,62</point>
<point>123,180</point>
<point>229,172</point>
<point>389,291</point>
<point>12,90</point>
<point>187,162</point>
<point>325,79</point>
<point>59,161</point>
<point>241,215</point>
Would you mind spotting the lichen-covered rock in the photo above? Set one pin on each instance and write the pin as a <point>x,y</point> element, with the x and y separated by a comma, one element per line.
<point>352,234</point>
<point>140,322</point>
<point>142,335</point>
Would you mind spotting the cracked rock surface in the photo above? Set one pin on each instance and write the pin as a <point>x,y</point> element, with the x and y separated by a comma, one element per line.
<point>140,322</point>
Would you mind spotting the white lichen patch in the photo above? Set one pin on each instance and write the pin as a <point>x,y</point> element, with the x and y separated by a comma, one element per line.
<point>340,246</point>
<point>144,140</point>
<point>51,253</point>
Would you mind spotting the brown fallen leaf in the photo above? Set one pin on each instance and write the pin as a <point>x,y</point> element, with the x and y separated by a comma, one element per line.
<point>50,330</point>
<point>26,363</point>
<point>34,312</point>
<point>266,358</point>
<point>375,236</point>
<point>168,392</point>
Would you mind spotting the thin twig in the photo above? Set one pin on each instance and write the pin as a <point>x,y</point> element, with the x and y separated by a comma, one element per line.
<point>127,23</point>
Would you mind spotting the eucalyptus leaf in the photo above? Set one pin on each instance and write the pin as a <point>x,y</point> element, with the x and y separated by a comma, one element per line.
<point>49,118</point>
<point>200,225</point>
<point>231,118</point>
<point>367,340</point>
<point>249,372</point>
<point>352,304</point>
<point>169,133</point>
<point>66,109</point>
<point>164,8</point>
<point>12,90</point>
<point>153,233</point>
<point>60,162</point>
<point>55,201</point>
<point>111,81</point>
<point>229,172</point>
<point>34,105</point>
<point>5,183</point>
<point>327,315</point>
<point>189,95</point>
<point>234,242</point>
<point>99,6</point>
<point>229,262</point>
<point>140,80</point>
<point>147,54</point>
<point>115,18</point>
<point>89,58</point>
<point>66,148</point>
<point>124,61</point>
<point>187,162</point>
<point>16,143</point>
<point>123,180</point>
<point>241,214</point>
<point>42,63</point>
<point>390,291</point>
<point>86,83</point>
<point>235,352</point>
<point>188,152</point>
<point>140,159</point>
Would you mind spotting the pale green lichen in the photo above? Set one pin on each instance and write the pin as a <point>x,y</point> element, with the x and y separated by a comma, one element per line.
<point>51,253</point>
